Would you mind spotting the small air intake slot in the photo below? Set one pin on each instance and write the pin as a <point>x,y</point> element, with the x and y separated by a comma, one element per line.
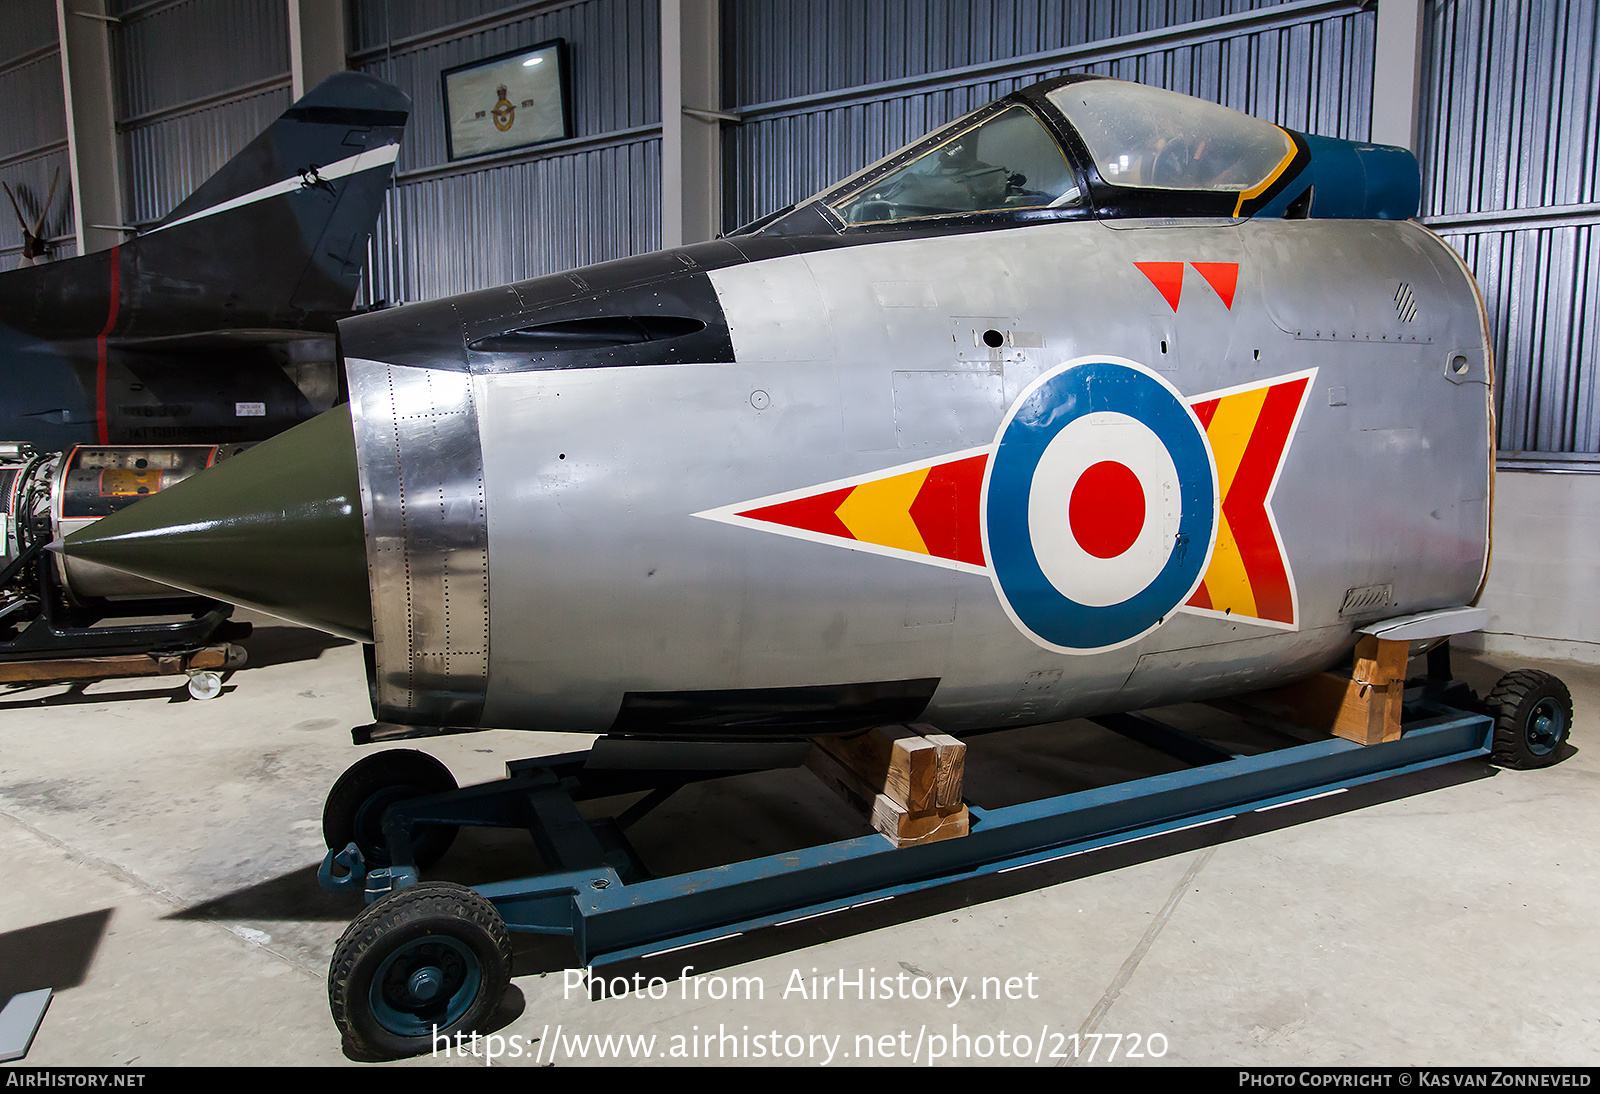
<point>589,334</point>
<point>1366,600</point>
<point>1405,303</point>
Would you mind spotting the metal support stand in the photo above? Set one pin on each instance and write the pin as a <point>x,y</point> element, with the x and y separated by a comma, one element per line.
<point>597,892</point>
<point>102,638</point>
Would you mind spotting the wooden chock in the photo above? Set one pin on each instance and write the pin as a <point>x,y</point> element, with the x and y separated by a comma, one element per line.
<point>1363,707</point>
<point>894,760</point>
<point>950,769</point>
<point>906,783</point>
<point>1381,661</point>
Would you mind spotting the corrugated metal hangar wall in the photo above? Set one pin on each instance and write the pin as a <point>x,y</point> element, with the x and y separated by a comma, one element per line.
<point>497,218</point>
<point>1507,126</point>
<point>33,127</point>
<point>825,88</point>
<point>194,82</point>
<point>1510,157</point>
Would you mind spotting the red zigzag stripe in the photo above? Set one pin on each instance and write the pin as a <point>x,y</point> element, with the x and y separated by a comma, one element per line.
<point>1246,503</point>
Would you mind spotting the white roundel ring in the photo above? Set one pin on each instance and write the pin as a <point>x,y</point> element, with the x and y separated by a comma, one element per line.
<point>1103,508</point>
<point>1099,505</point>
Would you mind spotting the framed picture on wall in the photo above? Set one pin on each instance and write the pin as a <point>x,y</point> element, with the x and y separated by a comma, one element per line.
<point>507,101</point>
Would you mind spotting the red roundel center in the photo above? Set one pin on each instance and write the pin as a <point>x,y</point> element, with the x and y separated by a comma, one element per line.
<point>1107,509</point>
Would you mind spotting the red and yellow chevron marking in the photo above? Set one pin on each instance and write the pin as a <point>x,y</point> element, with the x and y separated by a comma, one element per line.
<point>1249,430</point>
<point>930,511</point>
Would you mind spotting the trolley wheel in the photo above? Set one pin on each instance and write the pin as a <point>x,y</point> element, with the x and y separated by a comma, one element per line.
<point>205,684</point>
<point>354,810</point>
<point>432,959</point>
<point>1532,717</point>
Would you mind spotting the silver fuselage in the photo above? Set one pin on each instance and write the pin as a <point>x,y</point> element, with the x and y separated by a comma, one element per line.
<point>536,537</point>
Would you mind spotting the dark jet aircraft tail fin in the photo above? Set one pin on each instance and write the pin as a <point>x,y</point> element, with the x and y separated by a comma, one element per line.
<point>279,234</point>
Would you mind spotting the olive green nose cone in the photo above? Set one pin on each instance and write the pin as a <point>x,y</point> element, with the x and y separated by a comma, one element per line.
<point>276,528</point>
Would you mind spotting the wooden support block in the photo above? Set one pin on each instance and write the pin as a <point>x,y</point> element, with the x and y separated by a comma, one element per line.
<point>892,760</point>
<point>905,783</point>
<point>106,668</point>
<point>1381,660</point>
<point>904,828</point>
<point>1361,712</point>
<point>951,769</point>
<point>212,657</point>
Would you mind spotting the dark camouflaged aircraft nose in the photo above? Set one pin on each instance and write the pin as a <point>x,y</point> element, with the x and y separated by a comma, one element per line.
<point>277,528</point>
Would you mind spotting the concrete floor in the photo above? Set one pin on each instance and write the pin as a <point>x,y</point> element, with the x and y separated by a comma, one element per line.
<point>160,858</point>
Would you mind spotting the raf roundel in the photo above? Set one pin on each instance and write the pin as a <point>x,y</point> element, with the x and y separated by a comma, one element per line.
<point>1100,505</point>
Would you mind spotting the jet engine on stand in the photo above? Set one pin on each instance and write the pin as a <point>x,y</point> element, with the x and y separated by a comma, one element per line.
<point>67,619</point>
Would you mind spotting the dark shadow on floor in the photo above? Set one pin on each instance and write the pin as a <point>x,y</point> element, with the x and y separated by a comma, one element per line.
<point>50,955</point>
<point>275,645</point>
<point>293,896</point>
<point>478,856</point>
<point>162,688</point>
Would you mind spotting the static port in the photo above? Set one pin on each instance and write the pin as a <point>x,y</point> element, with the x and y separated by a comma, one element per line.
<point>993,338</point>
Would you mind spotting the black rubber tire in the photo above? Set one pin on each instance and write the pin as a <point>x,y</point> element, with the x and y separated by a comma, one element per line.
<point>353,812</point>
<point>1532,718</point>
<point>435,926</point>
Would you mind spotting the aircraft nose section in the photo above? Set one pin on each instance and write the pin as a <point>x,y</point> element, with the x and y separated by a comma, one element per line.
<point>277,528</point>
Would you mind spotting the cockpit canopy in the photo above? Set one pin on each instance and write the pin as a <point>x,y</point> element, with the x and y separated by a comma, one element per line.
<point>1088,146</point>
<point>1146,137</point>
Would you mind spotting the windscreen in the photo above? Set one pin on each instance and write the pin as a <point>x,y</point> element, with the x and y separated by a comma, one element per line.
<point>1008,161</point>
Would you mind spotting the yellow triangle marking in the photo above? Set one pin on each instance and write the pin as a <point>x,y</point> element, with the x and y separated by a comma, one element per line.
<point>880,512</point>
<point>1229,432</point>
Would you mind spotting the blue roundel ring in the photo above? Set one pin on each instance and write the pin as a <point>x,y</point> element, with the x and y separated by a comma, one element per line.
<point>1054,402</point>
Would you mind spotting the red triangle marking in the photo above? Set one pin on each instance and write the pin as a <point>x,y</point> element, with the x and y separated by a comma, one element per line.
<point>1222,276</point>
<point>1167,277</point>
<point>946,510</point>
<point>817,513</point>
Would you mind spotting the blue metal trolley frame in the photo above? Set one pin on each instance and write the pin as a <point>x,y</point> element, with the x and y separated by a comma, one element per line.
<point>593,894</point>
